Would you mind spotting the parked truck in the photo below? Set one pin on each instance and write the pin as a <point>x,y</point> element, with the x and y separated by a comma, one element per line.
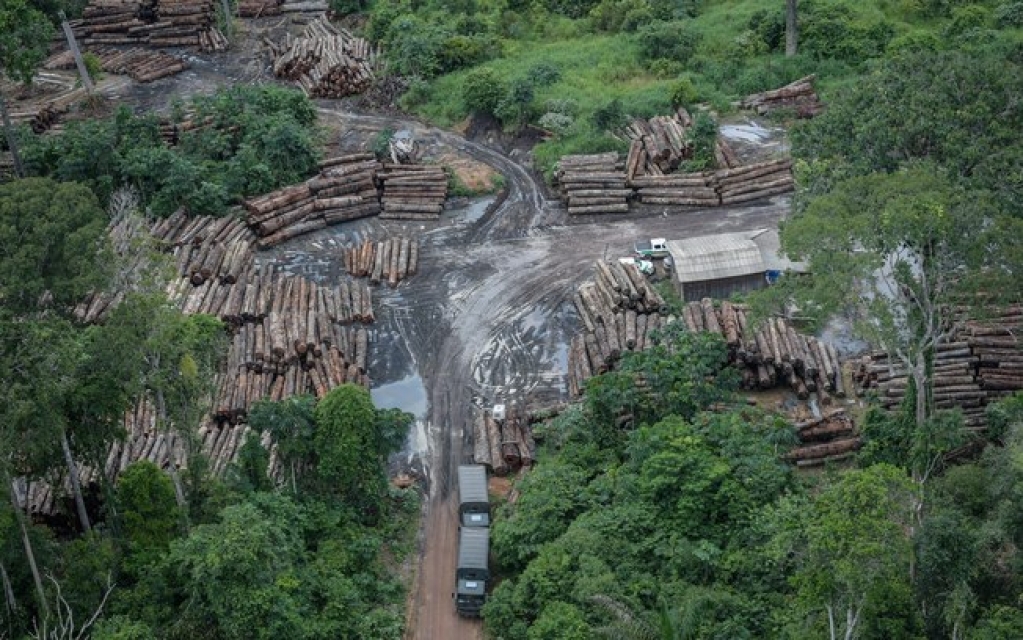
<point>473,501</point>
<point>654,248</point>
<point>473,570</point>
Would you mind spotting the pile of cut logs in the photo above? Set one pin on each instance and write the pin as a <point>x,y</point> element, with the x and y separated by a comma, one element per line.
<point>412,192</point>
<point>799,95</point>
<point>159,23</point>
<point>259,8</point>
<point>141,65</point>
<point>391,260</point>
<point>772,354</point>
<point>51,95</point>
<point>503,445</point>
<point>619,310</point>
<point>343,190</point>
<point>660,144</point>
<point>981,364</point>
<point>593,184</point>
<point>326,61</point>
<point>831,438</point>
<point>721,187</point>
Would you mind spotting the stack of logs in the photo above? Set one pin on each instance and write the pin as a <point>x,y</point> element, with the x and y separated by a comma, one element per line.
<point>981,364</point>
<point>619,311</point>
<point>799,95</point>
<point>159,23</point>
<point>593,184</point>
<point>412,192</point>
<point>41,104</point>
<point>259,8</point>
<point>503,445</point>
<point>343,190</point>
<point>327,62</point>
<point>717,188</point>
<point>141,65</point>
<point>830,438</point>
<point>391,260</point>
<point>772,354</point>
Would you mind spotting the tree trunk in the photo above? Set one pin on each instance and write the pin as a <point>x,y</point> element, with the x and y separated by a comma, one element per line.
<point>29,552</point>
<point>791,28</point>
<point>76,483</point>
<point>12,140</point>
<point>12,604</point>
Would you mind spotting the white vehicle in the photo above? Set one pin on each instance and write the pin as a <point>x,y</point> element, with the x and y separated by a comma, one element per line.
<point>644,266</point>
<point>655,248</point>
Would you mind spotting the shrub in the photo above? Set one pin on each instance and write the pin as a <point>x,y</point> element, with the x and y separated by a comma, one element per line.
<point>769,26</point>
<point>543,74</point>
<point>608,116</point>
<point>967,19</point>
<point>830,30</point>
<point>914,42</point>
<point>460,51</point>
<point>557,123</point>
<point>703,135</point>
<point>684,94</point>
<point>566,106</point>
<point>516,106</point>
<point>674,40</point>
<point>664,68</point>
<point>1009,15</point>
<point>482,91</point>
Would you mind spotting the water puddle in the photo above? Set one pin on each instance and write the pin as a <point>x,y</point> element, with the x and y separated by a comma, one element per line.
<point>471,213</point>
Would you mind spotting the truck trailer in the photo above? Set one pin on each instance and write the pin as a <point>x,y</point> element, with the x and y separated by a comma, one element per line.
<point>473,570</point>
<point>473,500</point>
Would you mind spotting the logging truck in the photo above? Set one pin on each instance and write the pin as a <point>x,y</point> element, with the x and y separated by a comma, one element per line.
<point>654,248</point>
<point>473,502</point>
<point>473,570</point>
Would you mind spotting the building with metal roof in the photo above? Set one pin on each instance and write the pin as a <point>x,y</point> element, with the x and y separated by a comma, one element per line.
<point>720,265</point>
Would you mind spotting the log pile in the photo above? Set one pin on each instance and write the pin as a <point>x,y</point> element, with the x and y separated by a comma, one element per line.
<point>659,145</point>
<point>619,311</point>
<point>773,354</point>
<point>391,260</point>
<point>259,8</point>
<point>831,438</point>
<point>343,190</point>
<point>158,23</point>
<point>139,64</point>
<point>412,192</point>
<point>717,188</point>
<point>505,446</point>
<point>325,61</point>
<point>593,184</point>
<point>49,97</point>
<point>799,95</point>
<point>980,364</point>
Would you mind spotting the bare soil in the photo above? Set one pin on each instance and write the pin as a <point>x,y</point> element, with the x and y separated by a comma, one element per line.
<point>489,315</point>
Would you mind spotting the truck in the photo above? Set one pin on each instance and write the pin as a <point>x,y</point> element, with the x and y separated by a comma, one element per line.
<point>473,501</point>
<point>473,570</point>
<point>654,248</point>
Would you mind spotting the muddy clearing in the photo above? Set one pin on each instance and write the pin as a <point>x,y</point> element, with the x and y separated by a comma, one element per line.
<point>489,315</point>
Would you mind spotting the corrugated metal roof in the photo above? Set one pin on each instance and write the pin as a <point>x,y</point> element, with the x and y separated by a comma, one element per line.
<point>724,255</point>
<point>770,247</point>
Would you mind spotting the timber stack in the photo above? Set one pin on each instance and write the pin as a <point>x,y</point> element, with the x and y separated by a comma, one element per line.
<point>504,445</point>
<point>980,364</point>
<point>49,97</point>
<point>830,438</point>
<point>158,23</point>
<point>139,64</point>
<point>716,188</point>
<point>799,96</point>
<point>390,260</point>
<point>593,184</point>
<point>325,61</point>
<point>772,354</point>
<point>659,145</point>
<point>259,8</point>
<point>343,190</point>
<point>412,192</point>
<point>619,311</point>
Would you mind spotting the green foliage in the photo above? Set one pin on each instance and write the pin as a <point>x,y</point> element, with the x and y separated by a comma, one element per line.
<point>381,145</point>
<point>831,29</point>
<point>259,138</point>
<point>675,41</point>
<point>24,38</point>
<point>51,242</point>
<point>684,94</point>
<point>609,116</point>
<point>543,74</point>
<point>516,107</point>
<point>482,91</point>
<point>1008,15</point>
<point>92,65</point>
<point>703,136</point>
<point>150,517</point>
<point>122,628</point>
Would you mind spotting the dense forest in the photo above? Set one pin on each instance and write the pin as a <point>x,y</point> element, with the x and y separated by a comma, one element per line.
<point>661,506</point>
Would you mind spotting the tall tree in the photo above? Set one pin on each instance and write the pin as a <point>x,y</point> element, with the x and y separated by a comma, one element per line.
<point>791,28</point>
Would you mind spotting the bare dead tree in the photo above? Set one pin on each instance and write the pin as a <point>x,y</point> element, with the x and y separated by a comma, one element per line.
<point>60,625</point>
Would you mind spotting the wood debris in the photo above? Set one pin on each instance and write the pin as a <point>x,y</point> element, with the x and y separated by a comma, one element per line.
<point>799,96</point>
<point>326,61</point>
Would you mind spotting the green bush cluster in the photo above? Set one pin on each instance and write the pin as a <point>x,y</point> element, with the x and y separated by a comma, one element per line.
<point>675,40</point>
<point>1009,15</point>
<point>831,29</point>
<point>257,139</point>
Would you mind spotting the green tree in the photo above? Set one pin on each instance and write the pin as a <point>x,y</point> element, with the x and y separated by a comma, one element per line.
<point>51,242</point>
<point>25,35</point>
<point>851,546</point>
<point>149,514</point>
<point>482,91</point>
<point>291,424</point>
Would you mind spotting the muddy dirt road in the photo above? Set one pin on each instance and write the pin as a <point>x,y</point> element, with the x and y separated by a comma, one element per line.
<point>487,318</point>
